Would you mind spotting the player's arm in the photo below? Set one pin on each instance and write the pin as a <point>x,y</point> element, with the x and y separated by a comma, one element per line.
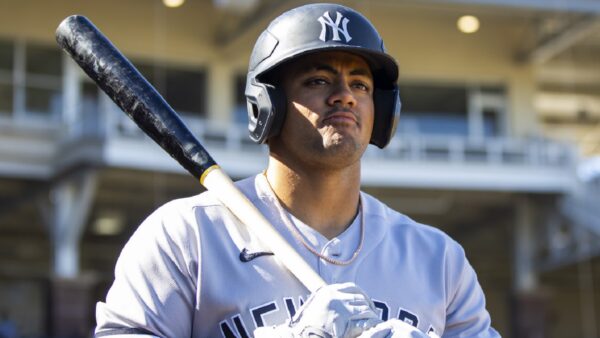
<point>466,312</point>
<point>154,291</point>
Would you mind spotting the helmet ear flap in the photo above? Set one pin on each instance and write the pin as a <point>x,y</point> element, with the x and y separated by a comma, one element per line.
<point>266,110</point>
<point>279,104</point>
<point>387,113</point>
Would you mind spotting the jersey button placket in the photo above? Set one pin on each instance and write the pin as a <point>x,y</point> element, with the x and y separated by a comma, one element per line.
<point>334,248</point>
<point>330,249</point>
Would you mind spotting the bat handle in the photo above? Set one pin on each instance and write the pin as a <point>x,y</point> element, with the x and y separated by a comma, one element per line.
<point>217,181</point>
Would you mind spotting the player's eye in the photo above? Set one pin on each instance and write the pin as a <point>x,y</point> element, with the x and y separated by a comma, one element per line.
<point>316,81</point>
<point>361,85</point>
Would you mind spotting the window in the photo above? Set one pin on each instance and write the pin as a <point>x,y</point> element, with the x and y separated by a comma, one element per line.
<point>89,114</point>
<point>43,71</point>
<point>30,85</point>
<point>6,55</point>
<point>491,123</point>
<point>43,60</point>
<point>241,110</point>
<point>6,69</point>
<point>434,109</point>
<point>6,99</point>
<point>183,89</point>
<point>37,90</point>
<point>452,110</point>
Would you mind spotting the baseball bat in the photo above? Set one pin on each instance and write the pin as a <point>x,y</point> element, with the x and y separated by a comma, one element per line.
<point>124,84</point>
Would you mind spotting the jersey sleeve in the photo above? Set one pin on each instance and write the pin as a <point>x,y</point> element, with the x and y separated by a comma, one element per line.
<point>466,314</point>
<point>156,278</point>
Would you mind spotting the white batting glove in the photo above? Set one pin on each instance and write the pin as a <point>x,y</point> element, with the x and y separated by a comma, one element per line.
<point>336,310</point>
<point>393,328</point>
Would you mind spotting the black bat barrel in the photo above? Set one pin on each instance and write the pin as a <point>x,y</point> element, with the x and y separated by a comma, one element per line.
<point>124,84</point>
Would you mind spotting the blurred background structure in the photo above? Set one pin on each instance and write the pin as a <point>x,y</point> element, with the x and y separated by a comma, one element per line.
<point>498,145</point>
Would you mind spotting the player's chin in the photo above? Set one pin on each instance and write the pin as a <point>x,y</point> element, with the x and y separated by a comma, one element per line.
<point>343,144</point>
<point>341,131</point>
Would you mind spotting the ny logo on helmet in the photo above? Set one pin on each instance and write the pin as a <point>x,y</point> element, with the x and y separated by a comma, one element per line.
<point>326,21</point>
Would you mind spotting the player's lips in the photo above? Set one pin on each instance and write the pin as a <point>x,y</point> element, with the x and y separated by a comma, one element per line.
<point>340,116</point>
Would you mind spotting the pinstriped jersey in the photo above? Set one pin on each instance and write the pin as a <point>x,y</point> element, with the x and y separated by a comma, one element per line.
<point>192,270</point>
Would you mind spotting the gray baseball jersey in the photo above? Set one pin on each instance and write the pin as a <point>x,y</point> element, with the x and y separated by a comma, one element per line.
<point>192,270</point>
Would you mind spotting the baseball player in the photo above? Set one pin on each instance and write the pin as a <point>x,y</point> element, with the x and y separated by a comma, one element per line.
<point>320,88</point>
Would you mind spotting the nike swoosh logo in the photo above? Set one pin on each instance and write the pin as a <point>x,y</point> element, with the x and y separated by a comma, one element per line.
<point>246,256</point>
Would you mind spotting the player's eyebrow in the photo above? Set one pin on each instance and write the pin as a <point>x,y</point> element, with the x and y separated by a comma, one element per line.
<point>361,71</point>
<point>330,69</point>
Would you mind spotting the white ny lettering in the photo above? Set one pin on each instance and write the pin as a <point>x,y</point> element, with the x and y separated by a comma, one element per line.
<point>326,20</point>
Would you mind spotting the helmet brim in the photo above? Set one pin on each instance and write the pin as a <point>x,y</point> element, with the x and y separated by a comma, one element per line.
<point>383,66</point>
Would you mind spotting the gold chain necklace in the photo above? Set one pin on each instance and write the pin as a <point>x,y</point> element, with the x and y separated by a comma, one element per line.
<point>298,235</point>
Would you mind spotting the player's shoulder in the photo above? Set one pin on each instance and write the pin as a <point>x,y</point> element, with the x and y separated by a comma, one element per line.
<point>397,225</point>
<point>203,200</point>
<point>184,216</point>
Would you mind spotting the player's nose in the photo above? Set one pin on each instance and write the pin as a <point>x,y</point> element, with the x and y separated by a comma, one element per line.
<point>341,94</point>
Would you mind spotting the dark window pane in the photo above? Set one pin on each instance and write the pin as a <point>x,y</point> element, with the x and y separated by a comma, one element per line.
<point>438,124</point>
<point>6,99</point>
<point>434,99</point>
<point>240,109</point>
<point>154,75</point>
<point>491,123</point>
<point>240,89</point>
<point>89,100</point>
<point>89,93</point>
<point>184,90</point>
<point>434,109</point>
<point>42,101</point>
<point>498,90</point>
<point>89,116</point>
<point>43,60</point>
<point>6,55</point>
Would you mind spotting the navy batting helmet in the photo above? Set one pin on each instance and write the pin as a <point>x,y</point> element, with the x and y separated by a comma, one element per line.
<point>315,28</point>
